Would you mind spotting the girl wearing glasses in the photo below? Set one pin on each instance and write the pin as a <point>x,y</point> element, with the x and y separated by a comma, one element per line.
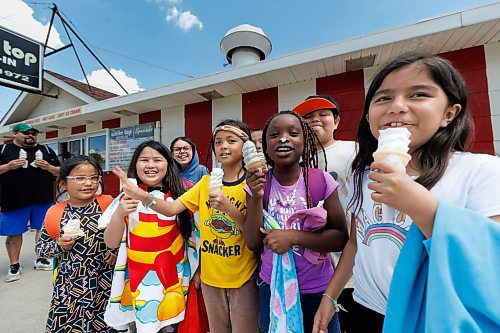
<point>82,279</point>
<point>187,161</point>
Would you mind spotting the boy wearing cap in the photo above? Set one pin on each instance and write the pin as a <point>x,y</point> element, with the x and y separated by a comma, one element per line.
<point>27,174</point>
<point>322,114</point>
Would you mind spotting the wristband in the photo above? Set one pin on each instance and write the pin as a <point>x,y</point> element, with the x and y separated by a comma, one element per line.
<point>337,306</point>
<point>151,203</point>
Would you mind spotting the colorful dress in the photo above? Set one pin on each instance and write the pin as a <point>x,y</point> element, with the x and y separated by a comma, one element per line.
<point>82,280</point>
<point>152,271</point>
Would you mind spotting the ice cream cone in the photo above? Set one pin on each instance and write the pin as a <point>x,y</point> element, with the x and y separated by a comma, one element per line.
<point>393,147</point>
<point>257,165</point>
<point>391,156</point>
<point>215,182</point>
<point>398,159</point>
<point>213,188</point>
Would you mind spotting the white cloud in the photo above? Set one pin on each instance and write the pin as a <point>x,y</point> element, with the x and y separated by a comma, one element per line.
<point>172,15</point>
<point>18,16</point>
<point>101,79</point>
<point>184,20</point>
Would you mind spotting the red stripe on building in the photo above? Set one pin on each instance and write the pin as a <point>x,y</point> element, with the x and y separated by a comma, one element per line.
<point>349,92</point>
<point>198,127</point>
<point>471,63</point>
<point>111,123</point>
<point>51,134</point>
<point>111,184</point>
<point>258,106</point>
<point>78,129</point>
<point>8,141</point>
<point>149,117</point>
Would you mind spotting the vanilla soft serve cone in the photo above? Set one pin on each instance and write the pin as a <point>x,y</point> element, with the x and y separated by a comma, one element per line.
<point>252,159</point>
<point>393,147</point>
<point>215,182</point>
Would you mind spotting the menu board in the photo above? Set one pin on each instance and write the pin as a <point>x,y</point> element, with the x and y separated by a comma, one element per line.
<point>123,141</point>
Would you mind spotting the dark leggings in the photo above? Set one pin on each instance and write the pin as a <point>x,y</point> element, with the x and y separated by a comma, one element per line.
<point>365,320</point>
<point>345,299</point>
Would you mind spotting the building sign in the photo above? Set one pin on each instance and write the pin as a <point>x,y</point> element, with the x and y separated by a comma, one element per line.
<point>54,116</point>
<point>21,61</point>
<point>123,141</point>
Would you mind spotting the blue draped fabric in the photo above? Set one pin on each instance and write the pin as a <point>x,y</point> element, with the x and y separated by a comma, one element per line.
<point>451,281</point>
<point>285,310</point>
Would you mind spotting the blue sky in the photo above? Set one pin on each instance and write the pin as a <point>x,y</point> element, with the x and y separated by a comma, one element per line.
<point>152,43</point>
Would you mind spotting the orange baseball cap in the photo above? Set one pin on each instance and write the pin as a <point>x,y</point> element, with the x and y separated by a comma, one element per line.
<point>314,104</point>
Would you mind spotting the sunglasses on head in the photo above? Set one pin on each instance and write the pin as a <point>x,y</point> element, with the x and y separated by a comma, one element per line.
<point>34,133</point>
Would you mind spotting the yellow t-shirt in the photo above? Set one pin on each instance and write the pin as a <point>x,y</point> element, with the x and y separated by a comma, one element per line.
<point>226,261</point>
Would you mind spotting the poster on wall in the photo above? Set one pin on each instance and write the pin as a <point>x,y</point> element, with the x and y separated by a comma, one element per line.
<point>123,141</point>
<point>21,61</point>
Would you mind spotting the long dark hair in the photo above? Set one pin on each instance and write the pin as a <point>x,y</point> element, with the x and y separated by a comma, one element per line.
<point>231,122</point>
<point>68,165</point>
<point>310,152</point>
<point>432,157</point>
<point>171,182</point>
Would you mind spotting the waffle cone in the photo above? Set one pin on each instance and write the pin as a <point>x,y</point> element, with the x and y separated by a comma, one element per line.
<point>213,188</point>
<point>382,155</point>
<point>255,166</point>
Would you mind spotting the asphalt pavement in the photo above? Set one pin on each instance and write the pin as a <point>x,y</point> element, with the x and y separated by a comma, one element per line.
<point>24,303</point>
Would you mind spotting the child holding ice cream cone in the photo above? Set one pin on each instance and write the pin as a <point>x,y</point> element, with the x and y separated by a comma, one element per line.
<point>426,95</point>
<point>304,220</point>
<point>227,265</point>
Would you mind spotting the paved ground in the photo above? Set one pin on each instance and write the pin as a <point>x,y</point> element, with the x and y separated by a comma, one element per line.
<point>24,304</point>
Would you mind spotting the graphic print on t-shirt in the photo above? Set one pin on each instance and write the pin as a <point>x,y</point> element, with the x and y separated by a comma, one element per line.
<point>370,227</point>
<point>223,228</point>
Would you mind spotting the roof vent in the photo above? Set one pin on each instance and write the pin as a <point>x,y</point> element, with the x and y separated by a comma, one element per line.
<point>359,63</point>
<point>245,45</point>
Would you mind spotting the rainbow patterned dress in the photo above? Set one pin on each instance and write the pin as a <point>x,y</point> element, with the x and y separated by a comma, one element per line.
<point>153,269</point>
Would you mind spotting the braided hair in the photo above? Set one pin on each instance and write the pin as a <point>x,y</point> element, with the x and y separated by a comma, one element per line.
<point>309,154</point>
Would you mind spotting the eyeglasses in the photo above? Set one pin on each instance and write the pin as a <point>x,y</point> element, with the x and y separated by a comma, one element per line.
<point>30,133</point>
<point>185,149</point>
<point>83,179</point>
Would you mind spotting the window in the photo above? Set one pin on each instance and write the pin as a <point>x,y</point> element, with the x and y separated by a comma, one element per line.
<point>75,147</point>
<point>97,149</point>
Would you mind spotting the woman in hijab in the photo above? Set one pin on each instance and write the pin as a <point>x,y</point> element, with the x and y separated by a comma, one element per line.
<point>187,161</point>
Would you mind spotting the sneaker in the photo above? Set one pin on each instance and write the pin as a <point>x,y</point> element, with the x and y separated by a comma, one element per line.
<point>42,264</point>
<point>14,274</point>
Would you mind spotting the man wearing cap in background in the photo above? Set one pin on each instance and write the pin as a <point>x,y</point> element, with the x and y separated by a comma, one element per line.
<point>27,174</point>
<point>322,113</point>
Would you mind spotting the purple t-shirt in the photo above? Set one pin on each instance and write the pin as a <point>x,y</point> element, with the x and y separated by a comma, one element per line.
<point>283,202</point>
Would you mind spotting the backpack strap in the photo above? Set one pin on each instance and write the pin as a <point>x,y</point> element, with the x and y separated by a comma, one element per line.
<point>54,214</point>
<point>53,218</point>
<point>267,188</point>
<point>317,185</point>
<point>104,201</point>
